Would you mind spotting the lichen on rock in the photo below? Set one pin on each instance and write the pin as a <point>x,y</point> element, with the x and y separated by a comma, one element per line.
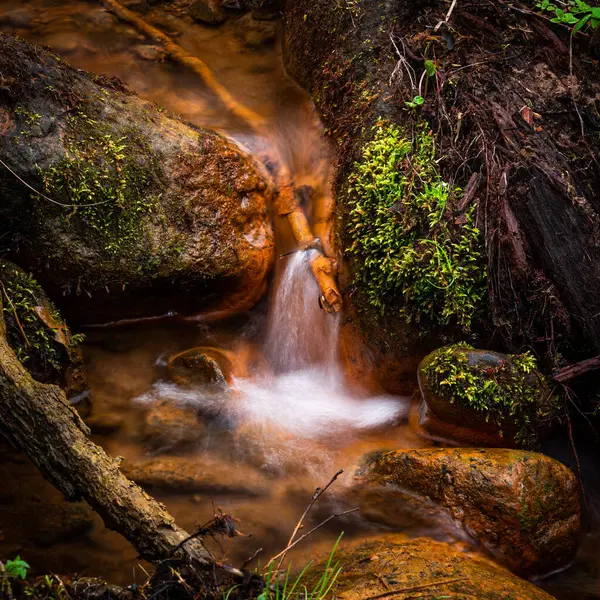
<point>522,507</point>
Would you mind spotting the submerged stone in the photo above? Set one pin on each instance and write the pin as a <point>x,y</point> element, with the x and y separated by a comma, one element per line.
<point>255,33</point>
<point>207,12</point>
<point>169,427</point>
<point>485,398</point>
<point>523,507</point>
<point>209,369</point>
<point>422,568</point>
<point>194,474</point>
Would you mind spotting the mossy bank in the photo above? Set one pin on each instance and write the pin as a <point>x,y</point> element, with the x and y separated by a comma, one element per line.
<point>484,224</point>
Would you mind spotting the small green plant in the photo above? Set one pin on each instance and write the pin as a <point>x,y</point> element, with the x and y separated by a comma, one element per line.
<point>16,568</point>
<point>416,101</point>
<point>511,392</point>
<point>416,255</point>
<point>295,588</point>
<point>430,68</point>
<point>572,12</point>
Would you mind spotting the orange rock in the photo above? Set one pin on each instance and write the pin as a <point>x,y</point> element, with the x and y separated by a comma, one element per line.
<point>424,569</point>
<point>523,507</point>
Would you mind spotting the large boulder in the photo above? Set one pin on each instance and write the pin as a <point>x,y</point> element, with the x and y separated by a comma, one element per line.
<point>136,213</point>
<point>486,398</point>
<point>523,507</point>
<point>422,568</point>
<point>38,334</point>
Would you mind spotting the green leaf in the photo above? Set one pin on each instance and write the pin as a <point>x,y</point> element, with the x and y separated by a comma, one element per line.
<point>430,68</point>
<point>581,23</point>
<point>17,567</point>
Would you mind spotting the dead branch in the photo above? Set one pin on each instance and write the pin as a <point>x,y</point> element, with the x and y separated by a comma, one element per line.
<point>318,493</point>
<point>580,368</point>
<point>286,550</point>
<point>38,419</point>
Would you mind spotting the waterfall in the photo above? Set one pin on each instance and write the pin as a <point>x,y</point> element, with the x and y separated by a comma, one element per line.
<point>299,332</point>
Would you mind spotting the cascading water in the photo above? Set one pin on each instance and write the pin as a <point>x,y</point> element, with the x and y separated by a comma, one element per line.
<point>299,332</point>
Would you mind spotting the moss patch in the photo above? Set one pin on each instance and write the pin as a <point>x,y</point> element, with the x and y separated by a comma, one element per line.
<point>27,314</point>
<point>107,190</point>
<point>513,391</point>
<point>416,254</point>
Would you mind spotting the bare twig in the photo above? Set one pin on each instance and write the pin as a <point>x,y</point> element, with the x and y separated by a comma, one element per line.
<point>251,558</point>
<point>415,588</point>
<point>448,15</point>
<point>402,64</point>
<point>14,310</point>
<point>46,197</point>
<point>318,493</point>
<point>285,551</point>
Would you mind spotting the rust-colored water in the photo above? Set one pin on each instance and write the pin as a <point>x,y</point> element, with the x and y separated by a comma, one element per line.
<point>291,422</point>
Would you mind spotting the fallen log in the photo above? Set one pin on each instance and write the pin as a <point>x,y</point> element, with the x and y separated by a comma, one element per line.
<point>38,419</point>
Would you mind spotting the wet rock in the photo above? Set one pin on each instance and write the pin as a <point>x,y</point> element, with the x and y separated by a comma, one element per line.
<point>485,398</point>
<point>20,18</point>
<point>168,427</point>
<point>427,568</point>
<point>523,507</point>
<point>207,12</point>
<point>266,11</point>
<point>149,52</point>
<point>101,20</point>
<point>255,33</point>
<point>105,424</point>
<point>194,474</point>
<point>207,368</point>
<point>179,221</point>
<point>54,523</point>
<point>37,333</point>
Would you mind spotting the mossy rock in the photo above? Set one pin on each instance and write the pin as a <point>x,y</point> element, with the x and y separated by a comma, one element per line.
<point>38,334</point>
<point>522,507</point>
<point>425,569</point>
<point>486,398</point>
<point>142,214</point>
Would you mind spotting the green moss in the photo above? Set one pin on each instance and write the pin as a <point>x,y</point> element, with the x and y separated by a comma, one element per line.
<point>512,391</point>
<point>102,181</point>
<point>34,342</point>
<point>417,256</point>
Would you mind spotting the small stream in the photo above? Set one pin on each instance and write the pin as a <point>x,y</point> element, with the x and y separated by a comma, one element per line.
<point>289,420</point>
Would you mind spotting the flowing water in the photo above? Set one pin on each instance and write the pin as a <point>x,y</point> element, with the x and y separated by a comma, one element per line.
<point>289,420</point>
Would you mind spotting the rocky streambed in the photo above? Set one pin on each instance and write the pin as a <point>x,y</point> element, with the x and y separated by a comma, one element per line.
<point>226,397</point>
